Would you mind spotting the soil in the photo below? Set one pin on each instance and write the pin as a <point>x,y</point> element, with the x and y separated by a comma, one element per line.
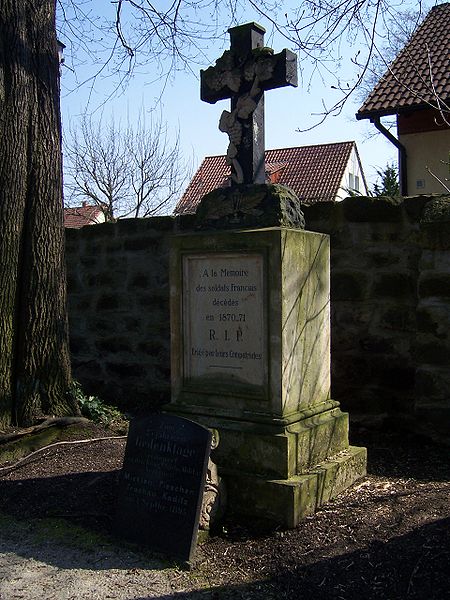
<point>387,537</point>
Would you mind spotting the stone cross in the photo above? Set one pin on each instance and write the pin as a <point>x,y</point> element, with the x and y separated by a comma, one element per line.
<point>243,74</point>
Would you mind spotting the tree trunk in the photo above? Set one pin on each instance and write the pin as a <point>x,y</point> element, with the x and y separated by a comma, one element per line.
<point>34,355</point>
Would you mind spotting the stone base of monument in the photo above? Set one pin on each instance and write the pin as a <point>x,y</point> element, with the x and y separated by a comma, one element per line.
<point>283,474</point>
<point>250,328</point>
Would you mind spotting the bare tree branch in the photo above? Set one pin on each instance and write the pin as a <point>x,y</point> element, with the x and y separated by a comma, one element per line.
<point>135,171</point>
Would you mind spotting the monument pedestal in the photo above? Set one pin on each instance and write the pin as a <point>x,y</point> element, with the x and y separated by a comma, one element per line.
<point>250,321</point>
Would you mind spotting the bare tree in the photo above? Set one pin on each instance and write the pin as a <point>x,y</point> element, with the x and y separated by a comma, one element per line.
<point>131,172</point>
<point>398,32</point>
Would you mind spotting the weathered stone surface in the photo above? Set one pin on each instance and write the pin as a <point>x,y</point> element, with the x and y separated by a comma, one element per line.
<point>350,285</point>
<point>396,284</point>
<point>433,319</point>
<point>304,494</point>
<point>432,352</point>
<point>434,284</point>
<point>433,383</point>
<point>279,428</point>
<point>437,210</point>
<point>398,318</point>
<point>248,206</point>
<point>380,210</point>
<point>293,303</point>
<point>436,235</point>
<point>414,207</point>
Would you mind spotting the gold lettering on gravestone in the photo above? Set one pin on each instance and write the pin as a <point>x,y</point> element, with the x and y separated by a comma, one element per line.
<point>224,317</point>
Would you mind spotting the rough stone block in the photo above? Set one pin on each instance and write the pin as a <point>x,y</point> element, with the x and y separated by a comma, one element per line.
<point>287,502</point>
<point>398,318</point>
<point>384,257</point>
<point>378,210</point>
<point>114,345</point>
<point>141,281</point>
<point>432,351</point>
<point>394,285</point>
<point>434,319</point>
<point>350,285</point>
<point>434,284</point>
<point>392,373</point>
<point>322,217</point>
<point>250,206</point>
<point>414,207</point>
<point>125,370</point>
<point>137,244</point>
<point>433,383</point>
<point>108,302</point>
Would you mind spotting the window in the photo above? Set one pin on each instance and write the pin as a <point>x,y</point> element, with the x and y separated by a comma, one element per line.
<point>353,182</point>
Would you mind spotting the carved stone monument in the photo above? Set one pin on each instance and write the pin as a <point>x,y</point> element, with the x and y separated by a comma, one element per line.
<point>243,74</point>
<point>250,320</point>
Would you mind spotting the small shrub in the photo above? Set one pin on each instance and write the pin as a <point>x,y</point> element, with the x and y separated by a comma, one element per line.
<point>95,409</point>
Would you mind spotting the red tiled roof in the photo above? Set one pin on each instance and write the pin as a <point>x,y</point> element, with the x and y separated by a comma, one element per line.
<point>314,173</point>
<point>420,74</point>
<point>78,216</point>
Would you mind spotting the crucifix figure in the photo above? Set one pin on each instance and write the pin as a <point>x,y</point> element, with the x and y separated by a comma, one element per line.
<point>243,74</point>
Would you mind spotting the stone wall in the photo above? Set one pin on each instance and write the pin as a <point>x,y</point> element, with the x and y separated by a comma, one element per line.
<point>119,309</point>
<point>432,351</point>
<point>390,301</point>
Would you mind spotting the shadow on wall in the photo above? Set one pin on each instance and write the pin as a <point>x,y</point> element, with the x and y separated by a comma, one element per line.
<point>390,295</point>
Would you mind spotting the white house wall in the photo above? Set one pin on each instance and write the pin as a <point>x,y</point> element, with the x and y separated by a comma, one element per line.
<point>353,168</point>
<point>430,149</point>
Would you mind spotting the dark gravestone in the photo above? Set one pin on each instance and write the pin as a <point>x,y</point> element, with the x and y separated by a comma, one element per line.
<point>162,483</point>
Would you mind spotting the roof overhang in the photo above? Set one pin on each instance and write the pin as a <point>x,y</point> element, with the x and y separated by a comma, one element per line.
<point>390,112</point>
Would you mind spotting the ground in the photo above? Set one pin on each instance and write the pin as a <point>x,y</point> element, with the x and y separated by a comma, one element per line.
<point>387,537</point>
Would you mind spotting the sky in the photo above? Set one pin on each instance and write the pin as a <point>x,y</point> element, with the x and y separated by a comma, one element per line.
<point>286,109</point>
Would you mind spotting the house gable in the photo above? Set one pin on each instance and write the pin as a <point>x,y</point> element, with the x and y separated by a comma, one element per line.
<point>419,77</point>
<point>79,216</point>
<point>316,173</point>
<point>416,88</point>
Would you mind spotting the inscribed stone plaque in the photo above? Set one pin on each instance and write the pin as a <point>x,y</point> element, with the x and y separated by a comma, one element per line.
<point>224,318</point>
<point>162,483</point>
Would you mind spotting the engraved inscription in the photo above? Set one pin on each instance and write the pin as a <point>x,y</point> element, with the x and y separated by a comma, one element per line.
<point>223,317</point>
<point>162,482</point>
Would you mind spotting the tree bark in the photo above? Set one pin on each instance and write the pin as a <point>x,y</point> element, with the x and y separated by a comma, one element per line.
<point>34,355</point>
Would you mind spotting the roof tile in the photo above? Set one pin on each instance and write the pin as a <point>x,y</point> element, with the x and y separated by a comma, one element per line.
<point>419,73</point>
<point>78,216</point>
<point>313,172</point>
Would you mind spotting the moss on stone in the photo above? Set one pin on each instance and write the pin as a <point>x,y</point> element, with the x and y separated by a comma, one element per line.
<point>414,206</point>
<point>437,210</point>
<point>250,206</point>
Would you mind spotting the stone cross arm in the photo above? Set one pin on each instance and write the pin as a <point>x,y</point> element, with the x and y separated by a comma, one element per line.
<point>243,73</point>
<point>226,80</point>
